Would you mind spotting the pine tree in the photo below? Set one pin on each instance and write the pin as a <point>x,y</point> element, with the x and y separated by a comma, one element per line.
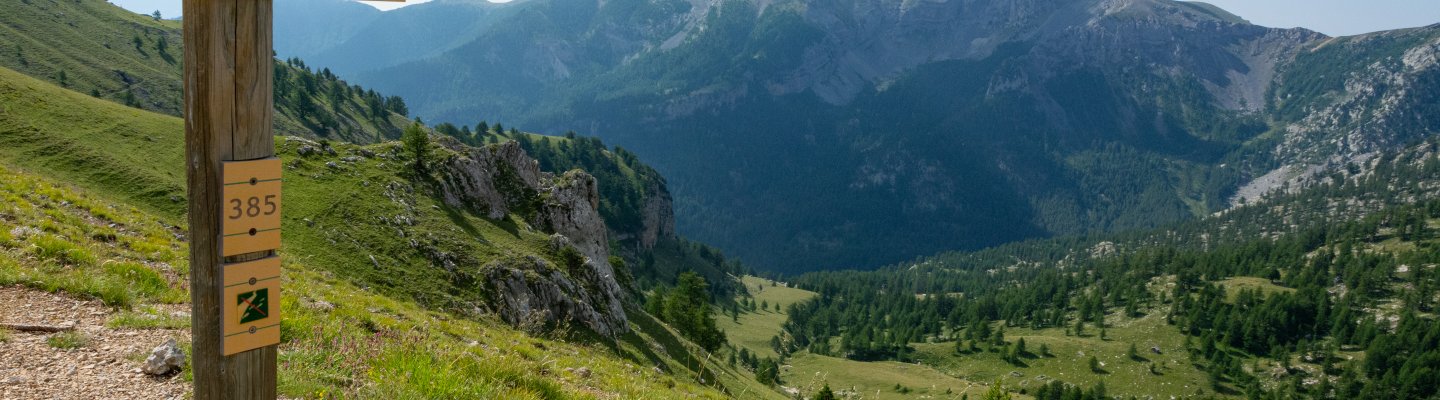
<point>767,372</point>
<point>688,309</point>
<point>417,144</point>
<point>996,392</point>
<point>825,393</point>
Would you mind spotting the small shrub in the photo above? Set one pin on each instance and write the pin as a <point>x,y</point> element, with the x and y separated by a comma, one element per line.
<point>68,340</point>
<point>4,335</point>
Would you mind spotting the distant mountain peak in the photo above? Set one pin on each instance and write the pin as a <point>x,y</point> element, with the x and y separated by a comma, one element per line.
<point>918,124</point>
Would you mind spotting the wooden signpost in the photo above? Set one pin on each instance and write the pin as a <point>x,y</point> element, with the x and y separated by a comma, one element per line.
<point>234,184</point>
<point>234,272</point>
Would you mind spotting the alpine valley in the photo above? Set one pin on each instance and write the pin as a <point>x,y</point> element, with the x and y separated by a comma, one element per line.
<point>813,135</point>
<point>750,199</point>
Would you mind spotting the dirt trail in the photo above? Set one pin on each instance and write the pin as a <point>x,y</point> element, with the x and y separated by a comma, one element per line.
<point>107,367</point>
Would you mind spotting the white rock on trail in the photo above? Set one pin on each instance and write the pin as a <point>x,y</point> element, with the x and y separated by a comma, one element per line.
<point>166,357</point>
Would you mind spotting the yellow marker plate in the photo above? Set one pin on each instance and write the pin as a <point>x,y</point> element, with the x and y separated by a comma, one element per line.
<point>250,211</point>
<point>250,306</point>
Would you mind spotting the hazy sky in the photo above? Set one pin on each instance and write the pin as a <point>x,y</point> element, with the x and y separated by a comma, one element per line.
<point>1332,17</point>
<point>1336,17</point>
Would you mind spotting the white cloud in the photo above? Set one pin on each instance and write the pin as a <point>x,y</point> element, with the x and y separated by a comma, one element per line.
<point>391,5</point>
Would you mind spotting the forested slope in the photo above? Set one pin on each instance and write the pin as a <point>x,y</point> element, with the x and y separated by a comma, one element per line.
<point>1327,291</point>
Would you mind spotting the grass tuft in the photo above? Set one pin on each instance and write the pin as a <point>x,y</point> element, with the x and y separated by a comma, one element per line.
<point>143,280</point>
<point>147,318</point>
<point>50,247</point>
<point>68,340</point>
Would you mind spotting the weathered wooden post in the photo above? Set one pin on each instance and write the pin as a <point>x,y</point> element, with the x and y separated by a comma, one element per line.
<point>234,205</point>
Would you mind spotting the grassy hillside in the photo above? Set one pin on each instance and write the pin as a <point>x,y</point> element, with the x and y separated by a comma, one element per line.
<point>356,326</point>
<point>878,380</point>
<point>99,48</point>
<point>135,155</point>
<point>1068,355</point>
<point>941,369</point>
<point>753,329</point>
<point>96,48</point>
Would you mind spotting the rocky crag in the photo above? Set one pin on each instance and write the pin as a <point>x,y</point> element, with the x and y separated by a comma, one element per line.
<point>498,180</point>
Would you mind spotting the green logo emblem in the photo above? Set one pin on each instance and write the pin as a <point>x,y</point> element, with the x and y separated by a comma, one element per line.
<point>254,306</point>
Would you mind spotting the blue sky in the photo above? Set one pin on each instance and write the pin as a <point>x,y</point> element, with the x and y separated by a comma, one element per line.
<point>1332,17</point>
<point>1336,17</point>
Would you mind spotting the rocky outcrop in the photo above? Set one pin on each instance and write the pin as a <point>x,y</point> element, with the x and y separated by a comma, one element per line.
<point>657,221</point>
<point>1384,103</point>
<point>658,215</point>
<point>499,180</point>
<point>1378,99</point>
<point>492,180</point>
<point>535,295</point>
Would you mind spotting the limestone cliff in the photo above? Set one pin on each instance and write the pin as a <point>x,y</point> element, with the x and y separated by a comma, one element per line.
<point>501,179</point>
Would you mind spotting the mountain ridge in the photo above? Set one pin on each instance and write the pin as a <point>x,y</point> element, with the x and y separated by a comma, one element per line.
<point>905,125</point>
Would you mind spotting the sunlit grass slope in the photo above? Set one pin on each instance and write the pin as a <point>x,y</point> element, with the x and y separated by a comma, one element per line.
<point>101,50</point>
<point>94,47</point>
<point>134,155</point>
<point>754,329</point>
<point>886,380</point>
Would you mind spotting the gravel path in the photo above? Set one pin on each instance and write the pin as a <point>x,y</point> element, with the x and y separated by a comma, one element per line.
<point>107,367</point>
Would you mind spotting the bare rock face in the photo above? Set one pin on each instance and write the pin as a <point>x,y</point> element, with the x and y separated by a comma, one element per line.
<point>491,179</point>
<point>499,180</point>
<point>1380,108</point>
<point>536,296</point>
<point>659,217</point>
<point>1379,105</point>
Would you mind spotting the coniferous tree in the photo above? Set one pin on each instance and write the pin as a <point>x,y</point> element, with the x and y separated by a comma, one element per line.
<point>767,372</point>
<point>996,392</point>
<point>688,309</point>
<point>825,393</point>
<point>417,145</point>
